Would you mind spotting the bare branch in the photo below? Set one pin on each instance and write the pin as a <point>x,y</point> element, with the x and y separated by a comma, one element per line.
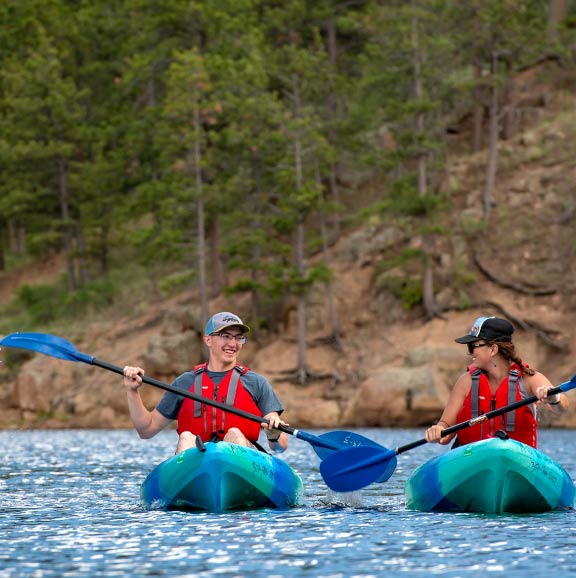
<point>519,288</point>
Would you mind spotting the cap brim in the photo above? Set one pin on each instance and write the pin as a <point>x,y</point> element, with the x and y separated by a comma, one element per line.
<point>467,339</point>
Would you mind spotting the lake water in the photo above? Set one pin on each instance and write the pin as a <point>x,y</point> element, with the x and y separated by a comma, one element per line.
<point>69,507</point>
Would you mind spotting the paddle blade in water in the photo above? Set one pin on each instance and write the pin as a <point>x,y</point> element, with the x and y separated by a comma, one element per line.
<point>47,344</point>
<point>356,468</point>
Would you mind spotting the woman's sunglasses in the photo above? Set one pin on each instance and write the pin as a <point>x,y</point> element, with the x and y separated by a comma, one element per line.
<point>473,346</point>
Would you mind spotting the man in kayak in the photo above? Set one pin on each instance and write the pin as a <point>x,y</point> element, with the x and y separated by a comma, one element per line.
<point>495,378</point>
<point>221,379</point>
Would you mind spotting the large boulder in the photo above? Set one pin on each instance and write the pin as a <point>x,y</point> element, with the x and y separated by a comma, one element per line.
<point>413,394</point>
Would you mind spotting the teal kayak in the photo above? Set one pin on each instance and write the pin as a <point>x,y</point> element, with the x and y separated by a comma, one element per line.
<point>491,476</point>
<point>223,477</point>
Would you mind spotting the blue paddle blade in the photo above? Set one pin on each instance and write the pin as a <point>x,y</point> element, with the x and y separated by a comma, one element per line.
<point>568,385</point>
<point>47,344</point>
<point>356,468</point>
<point>343,440</point>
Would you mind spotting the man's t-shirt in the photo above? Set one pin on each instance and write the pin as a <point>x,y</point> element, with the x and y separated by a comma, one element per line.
<point>254,383</point>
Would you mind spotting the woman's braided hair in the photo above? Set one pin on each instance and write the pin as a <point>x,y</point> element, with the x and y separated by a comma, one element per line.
<point>508,351</point>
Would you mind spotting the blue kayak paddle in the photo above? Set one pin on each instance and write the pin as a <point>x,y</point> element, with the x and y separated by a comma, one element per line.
<point>54,346</point>
<point>343,440</point>
<point>356,468</point>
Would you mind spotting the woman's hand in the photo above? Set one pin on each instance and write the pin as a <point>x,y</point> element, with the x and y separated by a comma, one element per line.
<point>542,395</point>
<point>434,434</point>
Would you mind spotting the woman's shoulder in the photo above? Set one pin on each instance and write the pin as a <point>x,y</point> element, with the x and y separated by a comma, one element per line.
<point>536,376</point>
<point>464,380</point>
<point>535,380</point>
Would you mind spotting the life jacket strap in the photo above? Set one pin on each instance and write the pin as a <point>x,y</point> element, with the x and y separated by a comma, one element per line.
<point>474,393</point>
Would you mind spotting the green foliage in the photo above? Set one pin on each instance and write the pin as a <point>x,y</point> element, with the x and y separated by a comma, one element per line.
<point>407,289</point>
<point>40,242</point>
<point>156,245</point>
<point>176,282</point>
<point>44,303</point>
<point>463,276</point>
<point>320,273</point>
<point>242,286</point>
<point>407,201</point>
<point>92,296</point>
<point>465,301</point>
<point>404,200</point>
<point>395,273</point>
<point>473,227</point>
<point>118,117</point>
<point>398,259</point>
<point>41,302</point>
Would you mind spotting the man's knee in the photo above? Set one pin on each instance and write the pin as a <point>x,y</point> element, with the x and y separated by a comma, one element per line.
<point>186,440</point>
<point>235,436</point>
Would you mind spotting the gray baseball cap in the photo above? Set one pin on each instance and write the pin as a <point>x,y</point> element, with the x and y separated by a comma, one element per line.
<point>220,321</point>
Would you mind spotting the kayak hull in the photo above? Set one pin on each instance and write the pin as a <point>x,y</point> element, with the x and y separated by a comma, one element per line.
<point>491,476</point>
<point>224,477</point>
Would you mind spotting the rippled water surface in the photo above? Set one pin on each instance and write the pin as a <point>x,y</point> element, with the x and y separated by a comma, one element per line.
<point>69,507</point>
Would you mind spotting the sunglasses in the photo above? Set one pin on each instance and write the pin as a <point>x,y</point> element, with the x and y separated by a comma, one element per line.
<point>473,346</point>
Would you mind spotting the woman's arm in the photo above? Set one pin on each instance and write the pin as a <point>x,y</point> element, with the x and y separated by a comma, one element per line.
<point>450,413</point>
<point>539,385</point>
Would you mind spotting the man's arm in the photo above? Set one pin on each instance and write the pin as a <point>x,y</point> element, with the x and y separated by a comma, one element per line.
<point>147,423</point>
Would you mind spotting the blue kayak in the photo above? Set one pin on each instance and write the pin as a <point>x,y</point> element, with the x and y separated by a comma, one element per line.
<point>492,476</point>
<point>223,477</point>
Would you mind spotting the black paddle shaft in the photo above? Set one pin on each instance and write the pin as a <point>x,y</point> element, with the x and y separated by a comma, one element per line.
<point>481,418</point>
<point>193,396</point>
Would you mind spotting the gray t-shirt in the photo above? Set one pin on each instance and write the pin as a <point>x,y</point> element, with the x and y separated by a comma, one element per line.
<point>254,383</point>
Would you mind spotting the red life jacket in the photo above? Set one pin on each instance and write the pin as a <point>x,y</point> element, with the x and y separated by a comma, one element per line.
<point>207,421</point>
<point>519,424</point>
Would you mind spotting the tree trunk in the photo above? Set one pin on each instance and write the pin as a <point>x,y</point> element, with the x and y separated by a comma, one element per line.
<point>218,270</point>
<point>557,11</point>
<point>477,94</point>
<point>2,249</point>
<point>428,297</point>
<point>64,197</point>
<point>331,299</point>
<point>200,218</point>
<point>103,249</point>
<point>16,237</point>
<point>83,267</point>
<point>509,124</point>
<point>152,102</point>
<point>422,167</point>
<point>254,293</point>
<point>332,110</point>
<point>256,252</point>
<point>492,163</point>
<point>302,372</point>
<point>299,241</point>
<point>420,120</point>
<point>478,114</point>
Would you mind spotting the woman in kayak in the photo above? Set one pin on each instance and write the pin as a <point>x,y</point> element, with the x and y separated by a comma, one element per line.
<point>495,378</point>
<point>221,379</point>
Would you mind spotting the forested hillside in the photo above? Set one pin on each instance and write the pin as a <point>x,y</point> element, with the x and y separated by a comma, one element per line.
<point>319,165</point>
